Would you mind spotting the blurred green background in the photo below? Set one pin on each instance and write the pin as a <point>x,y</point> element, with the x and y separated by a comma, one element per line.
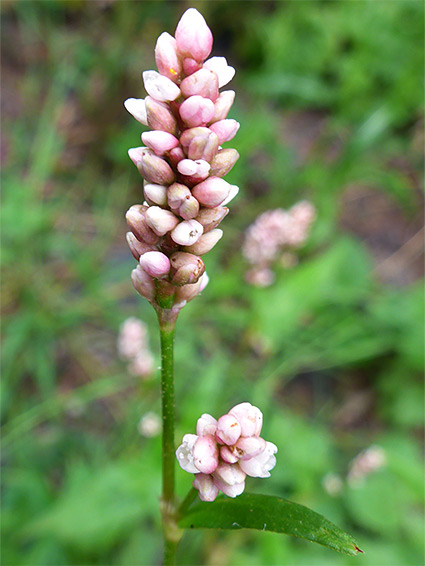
<point>329,96</point>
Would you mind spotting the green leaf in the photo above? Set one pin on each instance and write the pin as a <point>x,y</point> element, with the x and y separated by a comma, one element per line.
<point>269,513</point>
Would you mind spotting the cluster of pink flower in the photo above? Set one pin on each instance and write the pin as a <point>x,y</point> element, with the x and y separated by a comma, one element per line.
<point>182,162</point>
<point>133,347</point>
<point>271,233</point>
<point>222,453</point>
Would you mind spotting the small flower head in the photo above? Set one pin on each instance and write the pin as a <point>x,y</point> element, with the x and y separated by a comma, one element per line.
<point>224,452</point>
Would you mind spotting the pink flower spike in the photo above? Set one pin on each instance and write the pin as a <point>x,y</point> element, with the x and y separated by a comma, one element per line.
<point>159,87</point>
<point>193,36</point>
<point>225,129</point>
<point>184,454</point>
<point>156,264</point>
<point>187,232</point>
<point>159,142</point>
<point>206,425</point>
<point>204,483</point>
<point>224,72</point>
<point>211,192</point>
<point>205,454</point>
<point>259,466</point>
<point>250,418</point>
<point>197,111</point>
<point>228,430</point>
<point>137,108</point>
<point>166,57</point>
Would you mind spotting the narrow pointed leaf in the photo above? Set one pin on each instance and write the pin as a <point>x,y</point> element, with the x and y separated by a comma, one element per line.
<point>268,513</point>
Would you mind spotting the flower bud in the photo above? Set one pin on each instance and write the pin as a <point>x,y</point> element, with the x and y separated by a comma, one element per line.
<point>195,171</point>
<point>223,104</point>
<point>136,220</point>
<point>203,83</point>
<point>160,220</point>
<point>211,192</point>
<point>193,36</point>
<point>210,218</point>
<point>228,455</point>
<point>160,142</point>
<point>259,466</point>
<point>184,454</point>
<point>199,143</point>
<point>159,116</point>
<point>224,72</point>
<point>143,283</point>
<point>156,194</point>
<point>196,111</point>
<point>223,162</point>
<point>232,193</point>
<point>204,483</point>
<point>230,490</point>
<point>205,454</point>
<point>229,474</point>
<point>225,130</point>
<point>137,248</point>
<point>187,232</point>
<point>159,87</point>
<point>189,208</point>
<point>153,168</point>
<point>206,424</point>
<point>190,66</point>
<point>249,447</point>
<point>228,430</point>
<point>137,108</point>
<point>186,268</point>
<point>176,194</point>
<point>250,418</point>
<point>156,264</point>
<point>205,243</point>
<point>166,57</point>
<point>188,292</point>
<point>176,155</point>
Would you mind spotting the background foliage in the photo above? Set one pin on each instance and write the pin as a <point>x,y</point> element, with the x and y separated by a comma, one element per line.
<point>329,95</point>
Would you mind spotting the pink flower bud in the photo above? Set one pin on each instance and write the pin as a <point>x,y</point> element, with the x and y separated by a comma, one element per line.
<point>143,283</point>
<point>137,108</point>
<point>166,57</point>
<point>136,220</point>
<point>193,36</point>
<point>223,162</point>
<point>204,483</point>
<point>176,155</point>
<point>184,454</point>
<point>224,72</point>
<point>249,447</point>
<point>232,193</point>
<point>211,192</point>
<point>156,194</point>
<point>205,454</point>
<point>186,268</point>
<point>195,171</point>
<point>230,490</point>
<point>203,83</point>
<point>188,292</point>
<point>152,168</point>
<point>189,208</point>
<point>228,455</point>
<point>205,243</point>
<point>137,248</point>
<point>160,220</point>
<point>223,104</point>
<point>225,129</point>
<point>206,424</point>
<point>197,111</point>
<point>228,430</point>
<point>210,218</point>
<point>259,466</point>
<point>229,474</point>
<point>159,116</point>
<point>160,142</point>
<point>199,143</point>
<point>250,418</point>
<point>159,87</point>
<point>176,195</point>
<point>190,66</point>
<point>156,264</point>
<point>187,232</point>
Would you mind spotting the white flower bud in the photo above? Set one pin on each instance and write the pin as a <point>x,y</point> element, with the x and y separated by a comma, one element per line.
<point>159,87</point>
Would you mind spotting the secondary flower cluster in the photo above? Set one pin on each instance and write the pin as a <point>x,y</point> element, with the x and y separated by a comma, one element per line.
<point>182,162</point>
<point>133,347</point>
<point>272,232</point>
<point>222,453</point>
